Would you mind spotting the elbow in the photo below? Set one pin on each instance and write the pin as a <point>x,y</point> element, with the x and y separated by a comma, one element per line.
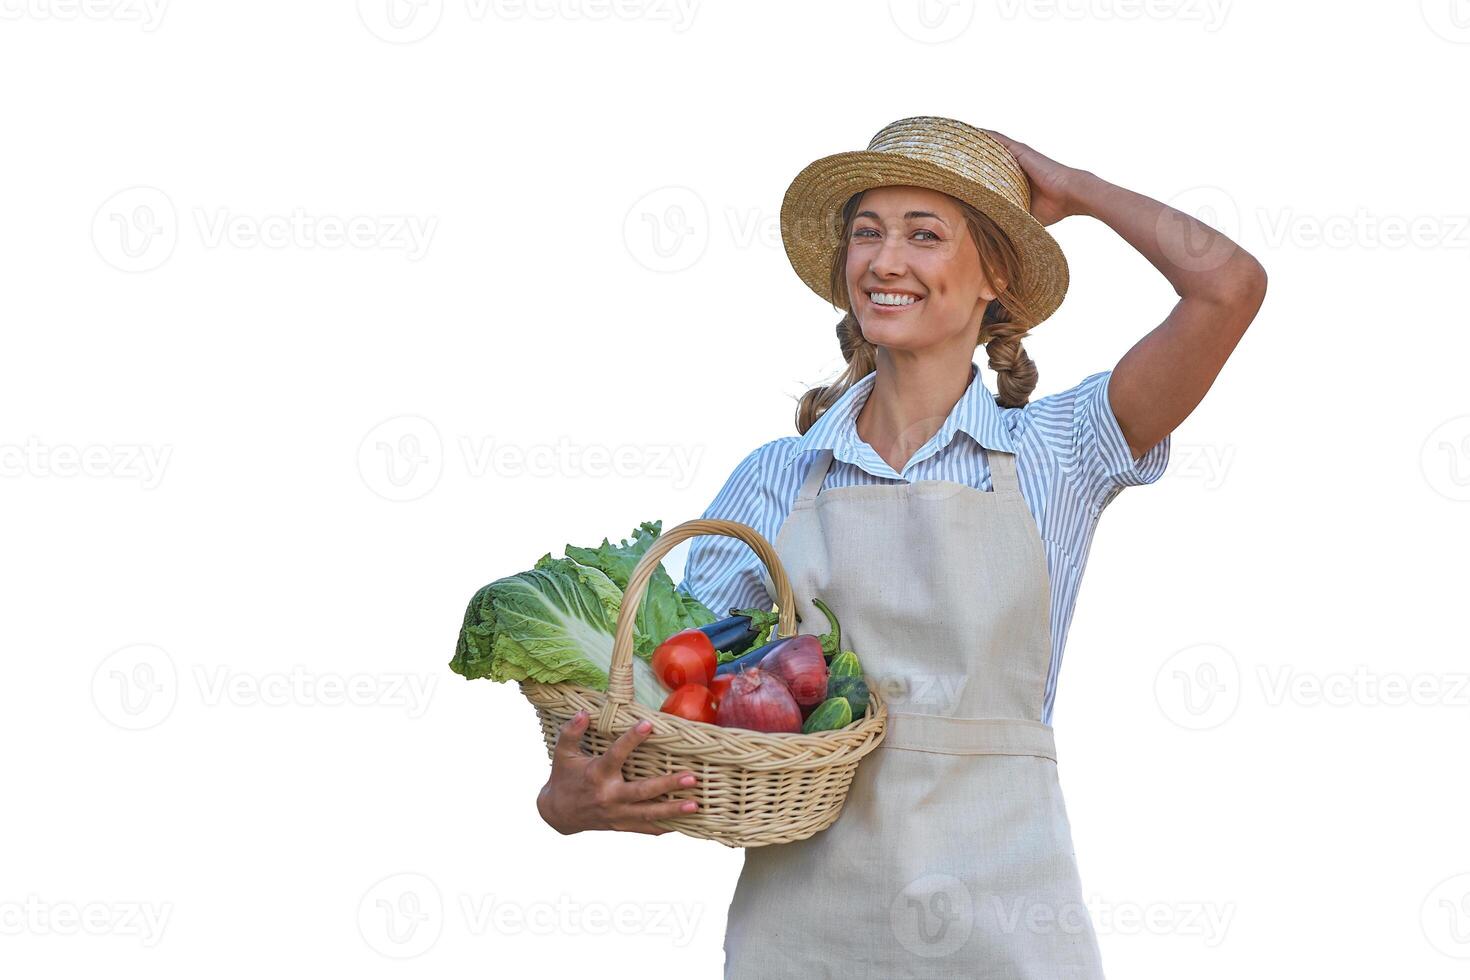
<point>1239,287</point>
<point>1253,280</point>
<point>1245,283</point>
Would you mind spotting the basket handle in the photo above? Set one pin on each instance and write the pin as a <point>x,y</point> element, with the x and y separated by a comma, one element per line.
<point>620,674</point>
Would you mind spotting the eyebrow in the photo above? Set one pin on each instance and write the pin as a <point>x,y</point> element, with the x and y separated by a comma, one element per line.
<point>908,216</point>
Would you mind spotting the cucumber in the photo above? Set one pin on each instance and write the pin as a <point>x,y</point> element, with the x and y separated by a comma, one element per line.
<point>845,664</point>
<point>853,690</point>
<point>831,714</point>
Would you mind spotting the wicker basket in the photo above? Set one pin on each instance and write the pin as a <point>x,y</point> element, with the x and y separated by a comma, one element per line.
<point>753,788</point>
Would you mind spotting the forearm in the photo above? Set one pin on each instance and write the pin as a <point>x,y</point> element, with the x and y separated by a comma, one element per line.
<point>1198,261</point>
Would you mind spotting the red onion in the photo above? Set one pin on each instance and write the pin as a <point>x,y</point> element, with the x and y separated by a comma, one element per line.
<point>758,700</point>
<point>801,667</point>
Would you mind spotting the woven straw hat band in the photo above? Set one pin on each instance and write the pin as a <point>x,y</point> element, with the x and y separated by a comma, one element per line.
<point>956,146</point>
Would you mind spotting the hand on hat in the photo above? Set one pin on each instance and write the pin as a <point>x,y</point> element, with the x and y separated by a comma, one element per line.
<point>1053,185</point>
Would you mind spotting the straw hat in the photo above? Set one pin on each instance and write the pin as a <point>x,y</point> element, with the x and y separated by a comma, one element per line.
<point>926,151</point>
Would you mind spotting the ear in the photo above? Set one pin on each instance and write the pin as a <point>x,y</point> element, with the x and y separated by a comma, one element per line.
<point>991,282</point>
<point>987,293</point>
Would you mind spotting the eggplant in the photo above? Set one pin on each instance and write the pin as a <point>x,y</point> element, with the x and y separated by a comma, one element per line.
<point>751,658</point>
<point>730,633</point>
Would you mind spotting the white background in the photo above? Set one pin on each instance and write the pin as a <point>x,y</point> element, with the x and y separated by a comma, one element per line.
<point>253,472</point>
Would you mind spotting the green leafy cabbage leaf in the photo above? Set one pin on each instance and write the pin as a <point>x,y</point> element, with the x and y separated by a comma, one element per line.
<point>664,610</point>
<point>555,622</point>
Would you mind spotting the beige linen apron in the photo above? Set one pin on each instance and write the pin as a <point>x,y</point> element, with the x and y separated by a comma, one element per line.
<point>952,856</point>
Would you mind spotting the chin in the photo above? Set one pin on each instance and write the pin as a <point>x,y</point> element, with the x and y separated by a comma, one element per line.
<point>898,336</point>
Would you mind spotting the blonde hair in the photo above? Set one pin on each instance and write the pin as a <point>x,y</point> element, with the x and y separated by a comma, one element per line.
<point>1005,321</point>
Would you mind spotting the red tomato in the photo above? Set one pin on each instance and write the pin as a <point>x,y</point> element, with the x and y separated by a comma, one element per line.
<point>692,701</point>
<point>719,686</point>
<point>687,657</point>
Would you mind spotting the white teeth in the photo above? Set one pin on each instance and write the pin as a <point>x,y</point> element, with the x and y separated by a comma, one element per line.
<point>891,299</point>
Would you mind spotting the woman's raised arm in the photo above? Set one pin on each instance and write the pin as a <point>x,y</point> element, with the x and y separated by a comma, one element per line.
<point>1221,286</point>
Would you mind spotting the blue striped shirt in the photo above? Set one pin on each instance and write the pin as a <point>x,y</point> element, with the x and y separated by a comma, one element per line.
<point>1071,460</point>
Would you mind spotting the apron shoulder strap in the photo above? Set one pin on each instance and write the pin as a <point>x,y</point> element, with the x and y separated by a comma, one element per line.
<point>815,474</point>
<point>1002,470</point>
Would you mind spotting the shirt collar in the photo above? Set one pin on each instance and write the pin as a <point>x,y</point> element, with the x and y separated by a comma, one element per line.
<point>976,414</point>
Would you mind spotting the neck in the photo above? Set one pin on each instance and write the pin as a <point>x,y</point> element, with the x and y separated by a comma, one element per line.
<point>912,395</point>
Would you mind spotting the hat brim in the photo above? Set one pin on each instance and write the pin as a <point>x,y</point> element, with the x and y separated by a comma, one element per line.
<point>811,220</point>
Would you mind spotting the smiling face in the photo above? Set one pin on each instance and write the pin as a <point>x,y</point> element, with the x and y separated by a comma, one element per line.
<point>912,245</point>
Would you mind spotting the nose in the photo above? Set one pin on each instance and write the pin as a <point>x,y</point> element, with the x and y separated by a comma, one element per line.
<point>887,261</point>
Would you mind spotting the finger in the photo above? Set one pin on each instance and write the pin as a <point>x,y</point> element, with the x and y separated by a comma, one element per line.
<point>617,753</point>
<point>664,810</point>
<point>569,737</point>
<point>648,788</point>
<point>639,828</point>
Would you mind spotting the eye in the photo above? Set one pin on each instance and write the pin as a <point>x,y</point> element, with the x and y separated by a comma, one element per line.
<point>859,232</point>
<point>926,231</point>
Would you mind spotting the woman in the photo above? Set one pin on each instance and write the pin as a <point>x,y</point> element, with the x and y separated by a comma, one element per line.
<point>949,527</point>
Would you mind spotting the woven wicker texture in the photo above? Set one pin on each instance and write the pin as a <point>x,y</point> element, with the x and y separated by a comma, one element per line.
<point>754,788</point>
<point>925,151</point>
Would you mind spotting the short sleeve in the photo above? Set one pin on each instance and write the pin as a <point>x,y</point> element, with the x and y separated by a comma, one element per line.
<point>723,572</point>
<point>1100,464</point>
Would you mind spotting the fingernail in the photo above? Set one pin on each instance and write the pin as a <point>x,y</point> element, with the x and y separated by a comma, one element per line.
<point>645,725</point>
<point>687,781</point>
<point>690,807</point>
<point>580,716</point>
